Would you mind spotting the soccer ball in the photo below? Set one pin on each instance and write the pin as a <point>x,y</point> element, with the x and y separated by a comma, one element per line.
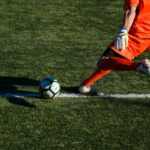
<point>49,87</point>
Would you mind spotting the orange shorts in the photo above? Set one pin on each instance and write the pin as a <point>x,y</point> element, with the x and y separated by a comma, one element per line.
<point>136,47</point>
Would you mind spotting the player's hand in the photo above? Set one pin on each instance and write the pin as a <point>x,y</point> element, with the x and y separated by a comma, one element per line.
<point>122,40</point>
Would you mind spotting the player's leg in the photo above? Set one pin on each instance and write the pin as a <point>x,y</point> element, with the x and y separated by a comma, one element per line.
<point>109,61</point>
<point>135,48</point>
<point>85,86</point>
<point>116,60</point>
<point>117,64</point>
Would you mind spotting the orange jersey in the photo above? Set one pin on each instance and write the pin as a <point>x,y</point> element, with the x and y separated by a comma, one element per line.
<point>139,33</point>
<point>141,24</point>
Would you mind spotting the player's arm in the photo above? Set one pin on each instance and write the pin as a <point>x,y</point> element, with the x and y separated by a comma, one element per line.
<point>122,38</point>
<point>129,17</point>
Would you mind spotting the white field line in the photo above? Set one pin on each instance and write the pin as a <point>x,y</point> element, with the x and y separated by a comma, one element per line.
<point>102,95</point>
<point>69,95</point>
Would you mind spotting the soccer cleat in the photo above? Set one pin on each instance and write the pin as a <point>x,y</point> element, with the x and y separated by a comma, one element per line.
<point>84,89</point>
<point>144,67</point>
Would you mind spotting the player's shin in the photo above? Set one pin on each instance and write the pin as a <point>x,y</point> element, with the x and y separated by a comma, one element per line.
<point>97,74</point>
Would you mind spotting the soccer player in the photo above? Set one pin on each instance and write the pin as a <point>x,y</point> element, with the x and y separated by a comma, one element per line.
<point>132,40</point>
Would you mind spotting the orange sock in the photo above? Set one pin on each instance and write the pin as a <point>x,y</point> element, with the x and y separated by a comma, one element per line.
<point>95,76</point>
<point>107,65</point>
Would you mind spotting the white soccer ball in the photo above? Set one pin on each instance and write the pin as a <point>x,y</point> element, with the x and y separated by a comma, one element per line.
<point>49,87</point>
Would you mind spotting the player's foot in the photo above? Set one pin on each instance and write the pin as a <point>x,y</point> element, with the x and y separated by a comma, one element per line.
<point>144,67</point>
<point>84,89</point>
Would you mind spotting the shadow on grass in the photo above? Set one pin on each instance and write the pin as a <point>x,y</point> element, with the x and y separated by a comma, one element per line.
<point>9,90</point>
<point>10,85</point>
<point>73,89</point>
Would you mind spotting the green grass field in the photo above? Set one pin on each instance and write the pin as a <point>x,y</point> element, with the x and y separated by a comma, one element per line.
<point>65,39</point>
